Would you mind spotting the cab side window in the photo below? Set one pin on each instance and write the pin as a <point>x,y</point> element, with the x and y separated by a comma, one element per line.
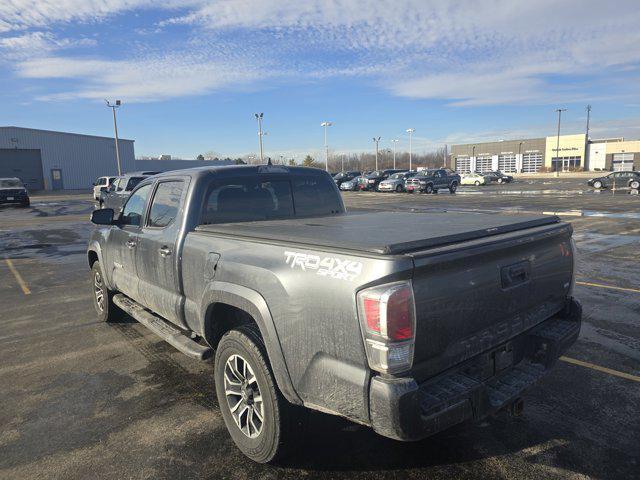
<point>165,204</point>
<point>133,210</point>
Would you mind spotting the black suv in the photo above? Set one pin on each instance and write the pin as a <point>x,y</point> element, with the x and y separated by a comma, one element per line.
<point>430,181</point>
<point>12,190</point>
<point>627,178</point>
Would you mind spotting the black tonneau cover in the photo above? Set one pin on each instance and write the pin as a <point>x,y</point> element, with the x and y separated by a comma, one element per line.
<point>387,233</point>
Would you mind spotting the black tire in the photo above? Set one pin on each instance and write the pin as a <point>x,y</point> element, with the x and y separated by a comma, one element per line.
<point>399,189</point>
<point>453,187</point>
<point>278,415</point>
<point>597,184</point>
<point>635,184</point>
<point>107,311</point>
<point>26,204</point>
<point>500,180</point>
<point>477,183</point>
<point>428,188</point>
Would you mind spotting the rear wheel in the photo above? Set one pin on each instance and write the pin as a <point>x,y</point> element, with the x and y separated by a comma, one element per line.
<point>597,184</point>
<point>399,189</point>
<point>499,180</point>
<point>477,183</point>
<point>635,184</point>
<point>102,297</point>
<point>453,187</point>
<point>258,418</point>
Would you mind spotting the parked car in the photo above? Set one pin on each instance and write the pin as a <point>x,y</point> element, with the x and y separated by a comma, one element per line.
<point>617,179</point>
<point>117,193</point>
<point>353,315</point>
<point>430,181</point>
<point>396,182</point>
<point>498,177</point>
<point>345,177</point>
<point>13,191</point>
<point>474,178</point>
<point>101,182</point>
<point>350,185</point>
<point>372,180</point>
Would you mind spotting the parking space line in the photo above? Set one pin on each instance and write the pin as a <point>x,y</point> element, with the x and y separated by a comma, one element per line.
<point>612,287</point>
<point>592,366</point>
<point>18,277</point>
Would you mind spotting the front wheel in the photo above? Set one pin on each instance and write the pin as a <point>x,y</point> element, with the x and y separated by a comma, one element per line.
<point>453,187</point>
<point>500,180</point>
<point>476,183</point>
<point>428,189</point>
<point>399,189</point>
<point>258,418</point>
<point>597,184</point>
<point>102,297</point>
<point>635,184</point>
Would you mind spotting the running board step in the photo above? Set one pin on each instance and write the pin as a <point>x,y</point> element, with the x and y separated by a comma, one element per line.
<point>169,333</point>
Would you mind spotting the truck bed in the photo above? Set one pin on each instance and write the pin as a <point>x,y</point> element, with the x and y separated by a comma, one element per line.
<point>382,233</point>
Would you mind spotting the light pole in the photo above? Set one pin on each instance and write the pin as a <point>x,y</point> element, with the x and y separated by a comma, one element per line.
<point>342,157</point>
<point>376,141</point>
<point>113,107</point>
<point>559,110</point>
<point>410,132</point>
<point>394,141</point>
<point>326,125</point>
<point>259,117</point>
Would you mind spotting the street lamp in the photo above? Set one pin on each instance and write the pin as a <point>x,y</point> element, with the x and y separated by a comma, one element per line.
<point>259,117</point>
<point>395,142</point>
<point>559,110</point>
<point>326,145</point>
<point>410,132</point>
<point>342,157</point>
<point>113,107</point>
<point>376,141</point>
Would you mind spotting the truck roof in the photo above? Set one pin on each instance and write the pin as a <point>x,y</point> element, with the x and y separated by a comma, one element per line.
<point>230,170</point>
<point>386,233</point>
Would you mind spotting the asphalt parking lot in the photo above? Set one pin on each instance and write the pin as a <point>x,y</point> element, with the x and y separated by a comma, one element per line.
<point>82,399</point>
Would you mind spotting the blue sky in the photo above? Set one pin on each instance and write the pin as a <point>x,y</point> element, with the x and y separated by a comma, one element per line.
<point>191,73</point>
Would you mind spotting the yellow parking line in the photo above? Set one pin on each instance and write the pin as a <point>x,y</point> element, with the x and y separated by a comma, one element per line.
<point>612,287</point>
<point>592,366</point>
<point>19,279</point>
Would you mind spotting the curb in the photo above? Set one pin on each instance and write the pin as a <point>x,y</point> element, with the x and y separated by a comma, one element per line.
<point>566,213</point>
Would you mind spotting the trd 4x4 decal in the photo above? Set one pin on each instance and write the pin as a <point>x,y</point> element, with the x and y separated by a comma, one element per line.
<point>331,267</point>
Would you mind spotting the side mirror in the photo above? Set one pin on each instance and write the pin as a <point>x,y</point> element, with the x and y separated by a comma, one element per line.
<point>104,216</point>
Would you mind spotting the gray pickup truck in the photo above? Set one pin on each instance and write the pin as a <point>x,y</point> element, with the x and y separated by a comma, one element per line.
<point>386,321</point>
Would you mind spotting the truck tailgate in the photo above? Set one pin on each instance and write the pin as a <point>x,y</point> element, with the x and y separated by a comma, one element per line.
<point>476,295</point>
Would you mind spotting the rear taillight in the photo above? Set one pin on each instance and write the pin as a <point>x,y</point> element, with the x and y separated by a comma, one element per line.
<point>388,319</point>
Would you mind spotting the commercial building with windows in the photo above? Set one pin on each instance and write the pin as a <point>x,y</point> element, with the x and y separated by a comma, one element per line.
<point>531,155</point>
<point>51,160</point>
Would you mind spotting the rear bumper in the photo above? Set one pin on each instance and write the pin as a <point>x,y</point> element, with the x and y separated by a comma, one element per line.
<point>402,409</point>
<point>21,200</point>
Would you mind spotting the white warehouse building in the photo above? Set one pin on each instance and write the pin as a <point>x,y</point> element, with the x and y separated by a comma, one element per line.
<point>48,160</point>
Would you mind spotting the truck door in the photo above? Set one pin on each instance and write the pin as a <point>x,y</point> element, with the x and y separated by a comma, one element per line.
<point>123,243</point>
<point>158,259</point>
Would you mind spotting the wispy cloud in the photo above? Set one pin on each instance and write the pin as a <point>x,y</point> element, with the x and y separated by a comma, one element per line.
<point>464,52</point>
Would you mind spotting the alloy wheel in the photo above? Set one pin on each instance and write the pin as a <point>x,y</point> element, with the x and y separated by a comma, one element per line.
<point>98,290</point>
<point>243,396</point>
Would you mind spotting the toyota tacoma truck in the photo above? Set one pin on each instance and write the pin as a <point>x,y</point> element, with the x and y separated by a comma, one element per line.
<point>384,320</point>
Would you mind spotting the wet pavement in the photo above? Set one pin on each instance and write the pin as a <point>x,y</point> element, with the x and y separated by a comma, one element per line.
<point>83,399</point>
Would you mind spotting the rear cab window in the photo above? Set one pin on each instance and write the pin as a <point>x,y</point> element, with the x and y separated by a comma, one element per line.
<point>270,198</point>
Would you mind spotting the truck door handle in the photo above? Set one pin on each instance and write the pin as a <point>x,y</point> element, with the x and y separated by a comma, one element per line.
<point>165,251</point>
<point>131,243</point>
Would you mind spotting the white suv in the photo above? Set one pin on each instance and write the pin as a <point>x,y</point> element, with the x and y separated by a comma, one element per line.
<point>99,183</point>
